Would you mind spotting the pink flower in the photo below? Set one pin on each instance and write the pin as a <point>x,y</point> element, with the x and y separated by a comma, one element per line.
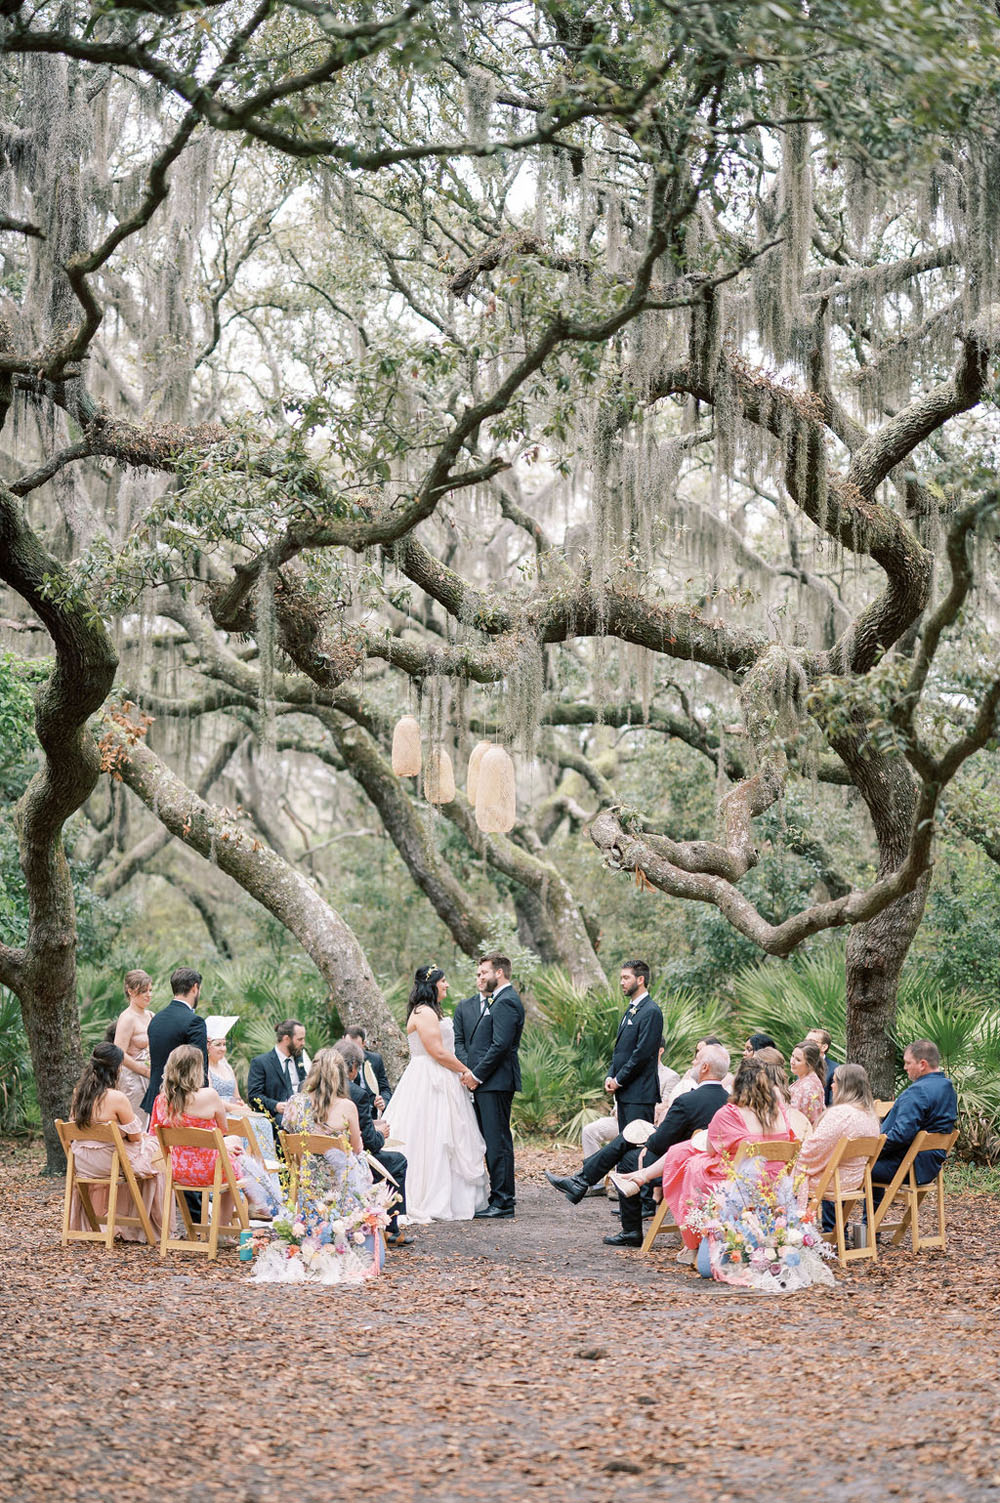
<point>298,1228</point>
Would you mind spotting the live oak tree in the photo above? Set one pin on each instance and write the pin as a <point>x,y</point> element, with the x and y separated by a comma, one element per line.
<point>540,371</point>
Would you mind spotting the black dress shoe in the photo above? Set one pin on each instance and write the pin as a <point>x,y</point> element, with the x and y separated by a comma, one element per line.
<point>625,1239</point>
<point>493,1213</point>
<point>574,1187</point>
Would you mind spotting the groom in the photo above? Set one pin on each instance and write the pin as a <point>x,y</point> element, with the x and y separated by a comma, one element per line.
<point>487,1032</point>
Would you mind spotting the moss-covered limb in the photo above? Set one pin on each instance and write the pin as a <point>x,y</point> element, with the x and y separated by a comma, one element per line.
<point>43,972</point>
<point>275,884</point>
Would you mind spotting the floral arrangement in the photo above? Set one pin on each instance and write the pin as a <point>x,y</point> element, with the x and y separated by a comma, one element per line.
<point>755,1237</point>
<point>326,1238</point>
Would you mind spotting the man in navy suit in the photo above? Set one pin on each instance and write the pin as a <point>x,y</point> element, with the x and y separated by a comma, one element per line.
<point>373,1137</point>
<point>274,1077</point>
<point>633,1079</point>
<point>174,1025</point>
<point>373,1058</point>
<point>928,1104</point>
<point>488,1031</point>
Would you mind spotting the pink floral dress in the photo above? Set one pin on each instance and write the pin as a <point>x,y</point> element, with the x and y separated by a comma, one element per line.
<point>689,1171</point>
<point>808,1097</point>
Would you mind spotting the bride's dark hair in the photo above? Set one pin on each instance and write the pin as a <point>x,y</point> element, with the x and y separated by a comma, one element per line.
<point>424,993</point>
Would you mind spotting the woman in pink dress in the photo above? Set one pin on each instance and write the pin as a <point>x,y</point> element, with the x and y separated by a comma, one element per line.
<point>97,1101</point>
<point>185,1102</point>
<point>852,1115</point>
<point>808,1094</point>
<point>754,1113</point>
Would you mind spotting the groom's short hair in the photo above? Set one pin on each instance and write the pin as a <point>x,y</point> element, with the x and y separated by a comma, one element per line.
<point>498,962</point>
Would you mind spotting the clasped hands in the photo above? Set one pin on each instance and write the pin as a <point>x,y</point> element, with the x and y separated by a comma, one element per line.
<point>468,1080</point>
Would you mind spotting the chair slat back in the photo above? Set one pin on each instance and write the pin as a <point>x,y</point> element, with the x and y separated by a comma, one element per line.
<point>242,1127</point>
<point>97,1132</point>
<point>934,1140</point>
<point>190,1137</point>
<point>883,1108</point>
<point>296,1144</point>
<point>862,1148</point>
<point>774,1150</point>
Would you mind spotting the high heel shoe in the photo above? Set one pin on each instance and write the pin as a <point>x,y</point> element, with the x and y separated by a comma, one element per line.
<point>624,1186</point>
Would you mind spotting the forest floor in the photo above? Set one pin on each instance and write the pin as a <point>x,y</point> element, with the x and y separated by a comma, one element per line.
<point>492,1360</point>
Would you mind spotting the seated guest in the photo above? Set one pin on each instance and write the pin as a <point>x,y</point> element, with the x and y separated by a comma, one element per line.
<point>324,1105</point>
<point>383,1095</point>
<point>808,1093</point>
<point>594,1135</point>
<point>222,1078</point>
<point>185,1102</point>
<point>373,1136</point>
<point>928,1104</point>
<point>755,1113</point>
<point>691,1111</point>
<point>774,1063</point>
<point>689,1080</point>
<point>758,1041</point>
<point>821,1039</point>
<point>96,1101</point>
<point>277,1075</point>
<point>852,1115</point>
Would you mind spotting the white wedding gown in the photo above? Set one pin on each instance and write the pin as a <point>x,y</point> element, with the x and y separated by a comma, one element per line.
<point>432,1116</point>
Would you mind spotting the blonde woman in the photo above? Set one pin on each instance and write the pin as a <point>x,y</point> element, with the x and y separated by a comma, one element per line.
<point>185,1102</point>
<point>132,1038</point>
<point>852,1115</point>
<point>324,1105</point>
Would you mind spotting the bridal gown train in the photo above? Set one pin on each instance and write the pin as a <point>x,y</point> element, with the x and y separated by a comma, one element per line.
<point>431,1114</point>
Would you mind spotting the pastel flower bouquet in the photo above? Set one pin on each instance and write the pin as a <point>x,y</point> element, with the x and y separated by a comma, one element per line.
<point>754,1235</point>
<point>331,1239</point>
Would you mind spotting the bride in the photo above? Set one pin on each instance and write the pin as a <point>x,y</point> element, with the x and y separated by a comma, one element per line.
<point>431,1113</point>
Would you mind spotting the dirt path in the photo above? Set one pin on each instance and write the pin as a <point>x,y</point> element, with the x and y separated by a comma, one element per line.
<point>495,1360</point>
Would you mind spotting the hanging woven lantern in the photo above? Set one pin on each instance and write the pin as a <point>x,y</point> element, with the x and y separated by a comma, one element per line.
<point>406,748</point>
<point>496,798</point>
<point>439,777</point>
<point>472,776</point>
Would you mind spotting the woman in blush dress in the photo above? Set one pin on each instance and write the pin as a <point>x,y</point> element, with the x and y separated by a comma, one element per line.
<point>808,1093</point>
<point>755,1113</point>
<point>132,1038</point>
<point>432,1114</point>
<point>852,1115</point>
<point>96,1101</point>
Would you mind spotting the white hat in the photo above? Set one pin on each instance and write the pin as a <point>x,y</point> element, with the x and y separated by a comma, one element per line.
<point>219,1026</point>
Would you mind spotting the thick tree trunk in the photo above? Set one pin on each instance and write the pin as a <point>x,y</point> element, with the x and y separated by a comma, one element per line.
<point>877,949</point>
<point>43,974</point>
<point>328,941</point>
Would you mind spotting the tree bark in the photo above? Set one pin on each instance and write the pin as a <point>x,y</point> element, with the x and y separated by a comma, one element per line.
<point>43,974</point>
<point>274,883</point>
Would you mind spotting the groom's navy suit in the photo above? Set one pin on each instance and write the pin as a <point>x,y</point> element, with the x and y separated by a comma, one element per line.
<point>486,1041</point>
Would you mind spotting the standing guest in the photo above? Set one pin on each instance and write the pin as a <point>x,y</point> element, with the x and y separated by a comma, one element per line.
<point>928,1104</point>
<point>487,1032</point>
<point>132,1037</point>
<point>372,1057</point>
<point>185,1102</point>
<point>373,1136</point>
<point>96,1101</point>
<point>852,1115</point>
<point>222,1078</point>
<point>175,1025</point>
<point>808,1093</point>
<point>821,1039</point>
<point>274,1077</point>
<point>632,1079</point>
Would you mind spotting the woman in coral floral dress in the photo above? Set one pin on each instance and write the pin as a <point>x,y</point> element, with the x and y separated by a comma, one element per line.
<point>755,1113</point>
<point>808,1093</point>
<point>185,1102</point>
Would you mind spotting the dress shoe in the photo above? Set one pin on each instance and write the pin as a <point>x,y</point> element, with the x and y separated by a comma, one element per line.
<point>398,1239</point>
<point>493,1213</point>
<point>625,1239</point>
<point>574,1187</point>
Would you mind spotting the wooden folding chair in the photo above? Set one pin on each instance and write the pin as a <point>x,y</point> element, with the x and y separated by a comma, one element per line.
<point>784,1150</point>
<point>296,1145</point>
<point>120,1171</point>
<point>844,1201</point>
<point>203,1237</point>
<point>904,1191</point>
<point>242,1127</point>
<point>883,1108</point>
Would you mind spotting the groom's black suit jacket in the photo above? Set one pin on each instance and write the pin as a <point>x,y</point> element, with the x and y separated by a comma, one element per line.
<point>487,1042</point>
<point>172,1026</point>
<point>267,1084</point>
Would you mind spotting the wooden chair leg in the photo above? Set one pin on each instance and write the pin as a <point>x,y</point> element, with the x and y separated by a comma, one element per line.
<point>68,1196</point>
<point>841,1230</point>
<point>942,1229</point>
<point>216,1215</point>
<point>109,1236</point>
<point>654,1226</point>
<point>870,1242</point>
<point>83,1190</point>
